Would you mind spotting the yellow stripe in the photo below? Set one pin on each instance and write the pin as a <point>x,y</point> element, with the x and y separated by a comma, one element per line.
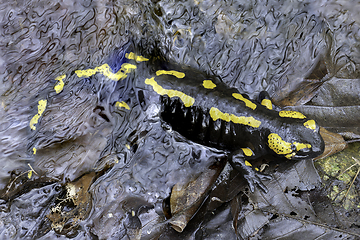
<point>135,57</point>
<point>122,104</point>
<point>187,100</point>
<point>174,73</point>
<point>209,84</point>
<point>267,103</point>
<point>34,150</point>
<point>247,102</point>
<point>106,71</point>
<point>60,85</point>
<point>291,114</point>
<point>41,109</point>
<point>250,121</point>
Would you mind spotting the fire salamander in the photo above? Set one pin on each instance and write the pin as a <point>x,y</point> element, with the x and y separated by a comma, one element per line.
<point>205,110</point>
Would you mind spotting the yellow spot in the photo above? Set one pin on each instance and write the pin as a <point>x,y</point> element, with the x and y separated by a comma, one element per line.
<point>29,174</point>
<point>34,150</point>
<point>300,146</point>
<point>279,146</point>
<point>174,73</point>
<point>291,114</point>
<point>247,152</point>
<point>135,57</point>
<point>209,84</point>
<point>127,146</point>
<point>60,85</point>
<point>247,102</point>
<point>267,103</point>
<point>122,104</point>
<point>256,169</point>
<point>133,213</point>
<point>310,124</point>
<point>106,71</point>
<point>248,164</point>
<point>250,121</point>
<point>187,100</point>
<point>41,109</point>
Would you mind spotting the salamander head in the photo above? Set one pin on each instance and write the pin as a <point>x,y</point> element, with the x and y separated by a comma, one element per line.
<point>297,139</point>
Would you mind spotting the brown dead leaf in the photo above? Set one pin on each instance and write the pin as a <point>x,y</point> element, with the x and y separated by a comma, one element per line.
<point>186,198</point>
<point>298,93</point>
<point>319,71</point>
<point>235,207</point>
<point>333,143</point>
<point>77,199</point>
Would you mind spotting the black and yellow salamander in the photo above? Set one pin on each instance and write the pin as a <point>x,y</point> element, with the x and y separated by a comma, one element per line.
<point>205,110</point>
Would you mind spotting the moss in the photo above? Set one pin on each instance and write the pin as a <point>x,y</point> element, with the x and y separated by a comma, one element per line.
<point>338,173</point>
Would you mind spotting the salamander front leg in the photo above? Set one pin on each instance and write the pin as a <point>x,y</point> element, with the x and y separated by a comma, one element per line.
<point>238,161</point>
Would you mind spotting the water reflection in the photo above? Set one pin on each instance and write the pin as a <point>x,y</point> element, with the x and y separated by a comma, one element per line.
<point>250,45</point>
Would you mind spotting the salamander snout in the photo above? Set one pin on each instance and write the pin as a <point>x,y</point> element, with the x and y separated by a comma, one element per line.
<point>307,140</point>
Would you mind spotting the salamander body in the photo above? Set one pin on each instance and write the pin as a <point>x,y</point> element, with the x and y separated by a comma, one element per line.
<point>205,110</point>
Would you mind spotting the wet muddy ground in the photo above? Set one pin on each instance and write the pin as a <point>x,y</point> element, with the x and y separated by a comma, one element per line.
<point>85,169</point>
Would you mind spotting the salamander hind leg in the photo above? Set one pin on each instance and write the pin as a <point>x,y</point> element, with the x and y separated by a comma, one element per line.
<point>239,161</point>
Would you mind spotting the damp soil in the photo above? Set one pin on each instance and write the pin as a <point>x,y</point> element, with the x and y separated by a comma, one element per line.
<point>86,171</point>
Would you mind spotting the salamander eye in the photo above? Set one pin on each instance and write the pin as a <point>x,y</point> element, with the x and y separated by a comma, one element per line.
<point>293,147</point>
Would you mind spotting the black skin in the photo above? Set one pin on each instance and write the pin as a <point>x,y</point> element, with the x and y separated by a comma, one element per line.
<point>196,124</point>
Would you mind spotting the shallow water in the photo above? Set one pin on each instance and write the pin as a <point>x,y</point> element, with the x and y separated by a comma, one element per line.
<point>250,45</point>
